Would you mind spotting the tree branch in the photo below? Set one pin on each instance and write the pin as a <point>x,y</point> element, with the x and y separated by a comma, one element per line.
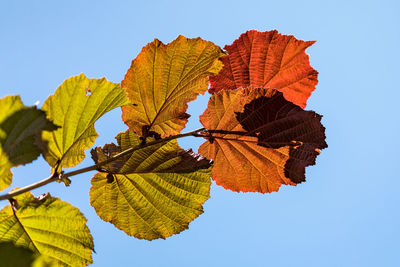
<point>58,177</point>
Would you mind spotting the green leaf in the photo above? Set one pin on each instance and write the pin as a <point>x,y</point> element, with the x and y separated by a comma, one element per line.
<point>76,105</point>
<point>48,226</point>
<point>19,127</point>
<point>153,193</point>
<point>16,256</point>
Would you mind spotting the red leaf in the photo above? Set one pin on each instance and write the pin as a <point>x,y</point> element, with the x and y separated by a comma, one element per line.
<point>268,60</point>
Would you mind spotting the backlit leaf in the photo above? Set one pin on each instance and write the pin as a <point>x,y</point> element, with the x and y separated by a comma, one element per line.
<point>162,79</point>
<point>154,192</point>
<point>268,60</point>
<point>269,143</point>
<point>19,127</point>
<point>76,105</point>
<point>49,227</point>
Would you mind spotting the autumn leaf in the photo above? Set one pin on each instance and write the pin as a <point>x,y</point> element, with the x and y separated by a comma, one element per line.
<point>154,192</point>
<point>19,127</point>
<point>269,60</point>
<point>277,122</point>
<point>162,79</point>
<point>75,106</point>
<point>259,140</point>
<point>49,227</point>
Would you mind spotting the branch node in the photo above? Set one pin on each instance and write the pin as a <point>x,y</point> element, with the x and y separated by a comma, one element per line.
<point>60,178</point>
<point>14,204</point>
<point>209,137</point>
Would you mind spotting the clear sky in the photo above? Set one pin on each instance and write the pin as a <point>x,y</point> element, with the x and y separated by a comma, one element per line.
<point>346,214</point>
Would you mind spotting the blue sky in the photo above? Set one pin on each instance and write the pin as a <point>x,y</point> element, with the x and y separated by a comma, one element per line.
<point>346,214</point>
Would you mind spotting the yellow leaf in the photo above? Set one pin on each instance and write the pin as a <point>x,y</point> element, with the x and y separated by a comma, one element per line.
<point>154,192</point>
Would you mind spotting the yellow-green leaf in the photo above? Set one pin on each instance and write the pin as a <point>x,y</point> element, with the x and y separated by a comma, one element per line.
<point>154,192</point>
<point>19,127</point>
<point>162,79</point>
<point>49,227</point>
<point>76,105</point>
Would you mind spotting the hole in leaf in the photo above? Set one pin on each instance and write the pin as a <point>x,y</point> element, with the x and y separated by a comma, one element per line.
<point>88,93</point>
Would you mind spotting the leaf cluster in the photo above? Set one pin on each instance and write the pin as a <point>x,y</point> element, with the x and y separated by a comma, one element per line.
<point>257,137</point>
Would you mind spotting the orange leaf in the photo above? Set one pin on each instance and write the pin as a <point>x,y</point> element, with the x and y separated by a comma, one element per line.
<point>259,140</point>
<point>162,79</point>
<point>268,60</point>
